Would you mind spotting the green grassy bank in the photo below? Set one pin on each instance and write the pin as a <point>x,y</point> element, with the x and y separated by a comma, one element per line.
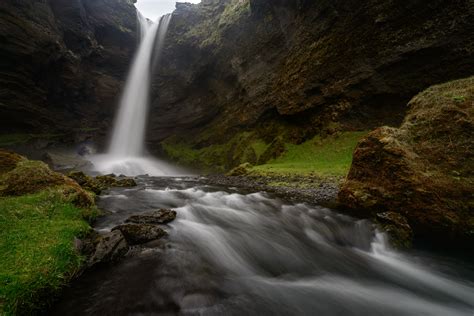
<point>328,156</point>
<point>41,214</point>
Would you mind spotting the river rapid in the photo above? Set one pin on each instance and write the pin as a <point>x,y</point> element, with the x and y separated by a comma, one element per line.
<point>231,252</point>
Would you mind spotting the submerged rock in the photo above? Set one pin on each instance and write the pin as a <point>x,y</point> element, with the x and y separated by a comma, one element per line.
<point>162,216</point>
<point>422,170</point>
<point>136,234</point>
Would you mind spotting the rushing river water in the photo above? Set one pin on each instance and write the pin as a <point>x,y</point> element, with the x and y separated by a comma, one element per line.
<point>235,253</point>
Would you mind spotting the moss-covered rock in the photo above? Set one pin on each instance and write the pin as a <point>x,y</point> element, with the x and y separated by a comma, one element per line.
<point>9,160</point>
<point>423,170</point>
<point>100,183</point>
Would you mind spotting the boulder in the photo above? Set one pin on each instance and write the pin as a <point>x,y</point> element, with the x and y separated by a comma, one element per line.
<point>108,247</point>
<point>161,216</point>
<point>136,234</point>
<point>65,161</point>
<point>423,170</point>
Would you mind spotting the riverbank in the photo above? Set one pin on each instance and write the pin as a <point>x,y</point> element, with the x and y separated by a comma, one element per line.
<point>42,214</point>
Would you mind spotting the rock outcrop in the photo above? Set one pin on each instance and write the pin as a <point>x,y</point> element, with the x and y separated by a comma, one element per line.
<point>303,66</point>
<point>63,63</point>
<point>424,170</point>
<point>100,183</point>
<point>20,176</point>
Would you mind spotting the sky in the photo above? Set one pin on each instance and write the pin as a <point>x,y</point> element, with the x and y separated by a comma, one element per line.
<point>153,9</point>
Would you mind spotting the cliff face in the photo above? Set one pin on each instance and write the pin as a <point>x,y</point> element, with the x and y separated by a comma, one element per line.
<point>63,62</point>
<point>308,66</point>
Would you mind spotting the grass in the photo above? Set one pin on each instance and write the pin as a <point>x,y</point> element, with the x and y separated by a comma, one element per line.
<point>36,246</point>
<point>331,156</point>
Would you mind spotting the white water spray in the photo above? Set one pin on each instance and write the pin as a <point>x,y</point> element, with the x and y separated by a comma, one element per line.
<point>127,149</point>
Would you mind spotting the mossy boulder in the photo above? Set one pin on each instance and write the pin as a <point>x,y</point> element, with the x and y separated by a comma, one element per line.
<point>33,176</point>
<point>423,170</point>
<point>100,183</point>
<point>9,160</point>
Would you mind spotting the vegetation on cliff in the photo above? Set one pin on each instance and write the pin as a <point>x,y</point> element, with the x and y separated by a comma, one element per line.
<point>41,214</point>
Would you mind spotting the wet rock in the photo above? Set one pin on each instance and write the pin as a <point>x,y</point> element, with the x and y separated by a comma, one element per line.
<point>100,183</point>
<point>397,227</point>
<point>109,247</point>
<point>87,182</point>
<point>65,161</point>
<point>136,234</point>
<point>161,216</point>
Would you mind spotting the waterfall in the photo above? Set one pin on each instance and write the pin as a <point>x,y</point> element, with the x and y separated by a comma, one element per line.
<point>129,132</point>
<point>127,154</point>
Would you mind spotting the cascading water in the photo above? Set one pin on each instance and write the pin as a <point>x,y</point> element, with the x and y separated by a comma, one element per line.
<point>232,253</point>
<point>126,154</point>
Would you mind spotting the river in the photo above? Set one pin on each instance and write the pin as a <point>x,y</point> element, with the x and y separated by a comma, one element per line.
<point>231,252</point>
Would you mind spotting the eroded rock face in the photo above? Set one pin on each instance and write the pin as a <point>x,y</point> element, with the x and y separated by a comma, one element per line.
<point>63,62</point>
<point>424,170</point>
<point>237,64</point>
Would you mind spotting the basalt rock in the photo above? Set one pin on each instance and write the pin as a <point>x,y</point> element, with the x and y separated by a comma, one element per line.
<point>162,216</point>
<point>105,248</point>
<point>63,63</point>
<point>424,170</point>
<point>136,234</point>
<point>236,65</point>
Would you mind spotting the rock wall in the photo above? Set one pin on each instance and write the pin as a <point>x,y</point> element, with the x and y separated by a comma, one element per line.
<point>63,62</point>
<point>309,66</point>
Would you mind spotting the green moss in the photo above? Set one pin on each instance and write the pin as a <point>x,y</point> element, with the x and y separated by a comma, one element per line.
<point>234,11</point>
<point>331,156</point>
<point>217,157</point>
<point>37,255</point>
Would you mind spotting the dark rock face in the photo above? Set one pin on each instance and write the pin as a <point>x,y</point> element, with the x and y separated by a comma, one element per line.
<point>423,170</point>
<point>162,216</point>
<point>238,64</point>
<point>63,62</point>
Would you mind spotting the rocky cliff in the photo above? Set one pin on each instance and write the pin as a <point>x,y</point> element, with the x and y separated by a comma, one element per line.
<point>63,62</point>
<point>423,172</point>
<point>298,68</point>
